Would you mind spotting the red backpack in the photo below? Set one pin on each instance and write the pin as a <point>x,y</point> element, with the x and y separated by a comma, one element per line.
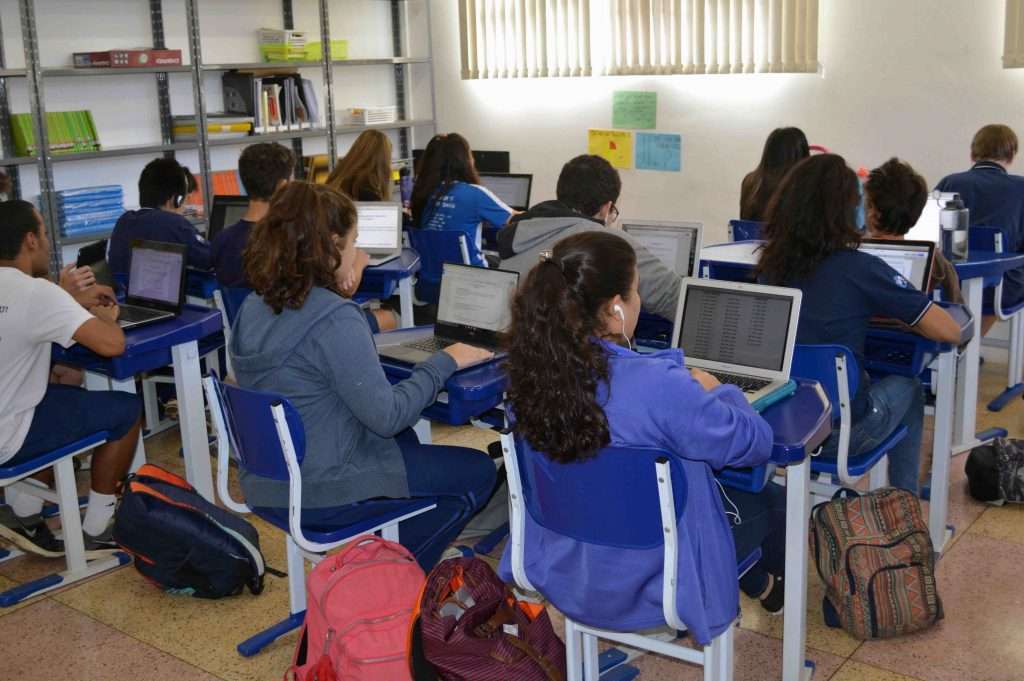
<point>359,607</point>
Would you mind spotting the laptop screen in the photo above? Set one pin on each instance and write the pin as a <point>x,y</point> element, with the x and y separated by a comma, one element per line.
<point>674,246</point>
<point>380,225</point>
<point>514,190</point>
<point>476,297</point>
<point>227,210</point>
<point>156,274</point>
<point>746,328</point>
<point>912,260</point>
<point>927,227</point>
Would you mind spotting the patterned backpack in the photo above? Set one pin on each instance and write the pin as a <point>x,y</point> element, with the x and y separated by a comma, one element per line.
<point>875,556</point>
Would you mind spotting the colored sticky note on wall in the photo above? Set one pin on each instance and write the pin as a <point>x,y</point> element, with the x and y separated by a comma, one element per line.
<point>615,146</point>
<point>659,151</point>
<point>635,109</point>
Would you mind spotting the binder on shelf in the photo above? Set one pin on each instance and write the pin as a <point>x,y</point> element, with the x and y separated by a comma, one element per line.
<point>67,131</point>
<point>277,101</point>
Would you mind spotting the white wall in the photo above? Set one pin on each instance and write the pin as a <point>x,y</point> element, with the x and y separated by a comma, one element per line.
<point>913,78</point>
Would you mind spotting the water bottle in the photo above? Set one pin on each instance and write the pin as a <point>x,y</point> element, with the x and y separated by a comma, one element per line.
<point>954,218</point>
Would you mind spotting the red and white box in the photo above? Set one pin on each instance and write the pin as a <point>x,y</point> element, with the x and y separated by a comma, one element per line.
<point>127,59</point>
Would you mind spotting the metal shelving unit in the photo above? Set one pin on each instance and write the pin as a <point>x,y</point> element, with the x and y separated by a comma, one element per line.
<point>36,76</point>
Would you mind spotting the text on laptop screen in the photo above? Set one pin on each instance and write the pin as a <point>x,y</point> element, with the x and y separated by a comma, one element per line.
<point>910,261</point>
<point>156,275</point>
<point>379,226</point>
<point>514,191</point>
<point>672,245</point>
<point>477,297</point>
<point>746,328</point>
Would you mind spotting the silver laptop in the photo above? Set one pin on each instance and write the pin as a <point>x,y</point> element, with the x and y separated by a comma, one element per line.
<point>742,334</point>
<point>380,230</point>
<point>474,307</point>
<point>911,259</point>
<point>156,283</point>
<point>512,188</point>
<point>677,244</point>
<point>927,227</point>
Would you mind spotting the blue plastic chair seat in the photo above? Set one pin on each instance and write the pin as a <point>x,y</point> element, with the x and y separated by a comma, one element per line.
<point>862,463</point>
<point>11,472</point>
<point>365,515</point>
<point>989,309</point>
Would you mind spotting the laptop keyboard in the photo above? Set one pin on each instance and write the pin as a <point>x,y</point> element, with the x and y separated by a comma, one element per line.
<point>747,384</point>
<point>429,344</point>
<point>130,313</point>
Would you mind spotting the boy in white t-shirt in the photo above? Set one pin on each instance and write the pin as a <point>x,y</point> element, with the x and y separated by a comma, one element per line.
<point>37,416</point>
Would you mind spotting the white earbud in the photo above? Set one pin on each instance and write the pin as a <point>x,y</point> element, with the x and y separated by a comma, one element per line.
<point>622,316</point>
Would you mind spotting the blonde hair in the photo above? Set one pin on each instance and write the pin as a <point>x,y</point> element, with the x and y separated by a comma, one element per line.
<point>365,168</point>
<point>994,143</point>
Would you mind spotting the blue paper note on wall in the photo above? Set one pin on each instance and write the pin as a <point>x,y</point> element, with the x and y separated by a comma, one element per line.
<point>659,151</point>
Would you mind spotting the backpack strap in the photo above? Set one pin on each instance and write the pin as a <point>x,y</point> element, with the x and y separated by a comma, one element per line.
<point>550,670</point>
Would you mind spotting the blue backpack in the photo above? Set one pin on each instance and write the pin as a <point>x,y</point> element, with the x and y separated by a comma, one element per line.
<point>182,542</point>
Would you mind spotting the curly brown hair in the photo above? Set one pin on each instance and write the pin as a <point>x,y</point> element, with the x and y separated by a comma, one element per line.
<point>292,249</point>
<point>897,194</point>
<point>555,364</point>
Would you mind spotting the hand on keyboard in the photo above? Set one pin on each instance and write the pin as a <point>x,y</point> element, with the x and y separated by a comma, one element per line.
<point>706,380</point>
<point>466,355</point>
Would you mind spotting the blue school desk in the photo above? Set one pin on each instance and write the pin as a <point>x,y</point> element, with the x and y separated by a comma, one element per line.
<point>150,347</point>
<point>734,261</point>
<point>379,282</point>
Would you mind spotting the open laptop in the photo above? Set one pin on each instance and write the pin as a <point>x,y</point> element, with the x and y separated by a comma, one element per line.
<point>512,188</point>
<point>742,334</point>
<point>927,227</point>
<point>156,283</point>
<point>227,210</point>
<point>380,230</point>
<point>677,244</point>
<point>475,306</point>
<point>912,259</point>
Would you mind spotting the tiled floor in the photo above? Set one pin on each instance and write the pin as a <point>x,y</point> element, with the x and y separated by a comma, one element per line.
<point>118,626</point>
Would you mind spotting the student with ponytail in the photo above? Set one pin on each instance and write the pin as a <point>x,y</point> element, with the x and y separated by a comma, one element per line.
<point>576,387</point>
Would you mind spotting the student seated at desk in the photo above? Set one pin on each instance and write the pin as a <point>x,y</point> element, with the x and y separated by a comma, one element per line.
<point>448,194</point>
<point>995,199</point>
<point>894,197</point>
<point>587,190</point>
<point>163,186</point>
<point>784,148</point>
<point>297,336</point>
<point>811,244</point>
<point>576,387</point>
<point>364,173</point>
<point>38,416</point>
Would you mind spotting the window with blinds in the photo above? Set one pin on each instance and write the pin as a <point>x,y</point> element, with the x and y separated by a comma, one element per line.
<point>1013,48</point>
<point>545,38</point>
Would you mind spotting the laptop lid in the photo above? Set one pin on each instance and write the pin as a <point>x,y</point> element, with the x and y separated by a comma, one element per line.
<point>912,259</point>
<point>227,210</point>
<point>927,227</point>
<point>475,304</point>
<point>485,161</point>
<point>380,227</point>
<point>512,188</point>
<point>677,244</point>
<point>736,327</point>
<point>156,276</point>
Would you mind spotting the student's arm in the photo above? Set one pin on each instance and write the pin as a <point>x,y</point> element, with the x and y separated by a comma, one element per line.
<point>492,209</point>
<point>938,325</point>
<point>198,256</point>
<point>101,334</point>
<point>350,284</point>
<point>659,286</point>
<point>58,318</point>
<point>892,296</point>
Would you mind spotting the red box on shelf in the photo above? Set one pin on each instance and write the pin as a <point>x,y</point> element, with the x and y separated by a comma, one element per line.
<point>127,59</point>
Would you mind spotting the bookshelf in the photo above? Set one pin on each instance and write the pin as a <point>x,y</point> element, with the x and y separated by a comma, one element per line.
<point>35,80</point>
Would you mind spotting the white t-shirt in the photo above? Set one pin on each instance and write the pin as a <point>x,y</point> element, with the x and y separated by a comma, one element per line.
<point>33,314</point>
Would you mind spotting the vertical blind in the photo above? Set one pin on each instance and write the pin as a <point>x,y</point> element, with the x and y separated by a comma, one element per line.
<point>1013,48</point>
<point>537,38</point>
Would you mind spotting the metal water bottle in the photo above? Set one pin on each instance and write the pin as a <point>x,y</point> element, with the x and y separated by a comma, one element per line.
<point>954,219</point>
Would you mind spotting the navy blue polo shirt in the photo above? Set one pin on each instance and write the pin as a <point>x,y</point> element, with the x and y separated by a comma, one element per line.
<point>842,295</point>
<point>995,199</point>
<point>153,224</point>
<point>226,253</point>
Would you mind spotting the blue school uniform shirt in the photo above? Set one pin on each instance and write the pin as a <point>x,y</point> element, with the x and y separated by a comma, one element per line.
<point>153,224</point>
<point>995,199</point>
<point>464,207</point>
<point>652,401</point>
<point>226,253</point>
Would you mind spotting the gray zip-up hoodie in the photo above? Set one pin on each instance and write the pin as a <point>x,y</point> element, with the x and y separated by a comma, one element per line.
<point>323,359</point>
<point>521,243</point>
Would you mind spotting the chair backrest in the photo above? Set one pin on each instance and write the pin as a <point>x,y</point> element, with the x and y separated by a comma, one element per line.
<point>436,247</point>
<point>818,363</point>
<point>233,297</point>
<point>253,433</point>
<point>610,499</point>
<point>745,230</point>
<point>984,238</point>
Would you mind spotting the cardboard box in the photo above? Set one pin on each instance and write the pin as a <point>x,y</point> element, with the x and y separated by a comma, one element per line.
<point>127,59</point>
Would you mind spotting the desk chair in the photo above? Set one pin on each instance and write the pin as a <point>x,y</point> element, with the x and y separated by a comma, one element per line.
<point>436,247</point>
<point>745,230</point>
<point>266,433</point>
<point>66,497</point>
<point>630,498</point>
<point>836,369</point>
<point>228,300</point>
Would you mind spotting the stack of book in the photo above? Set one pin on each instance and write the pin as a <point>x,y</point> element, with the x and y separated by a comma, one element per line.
<point>277,102</point>
<point>89,210</point>
<point>218,126</point>
<point>68,131</point>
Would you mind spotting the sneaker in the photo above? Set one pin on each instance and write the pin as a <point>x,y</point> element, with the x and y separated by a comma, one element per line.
<point>774,598</point>
<point>29,534</point>
<point>101,544</point>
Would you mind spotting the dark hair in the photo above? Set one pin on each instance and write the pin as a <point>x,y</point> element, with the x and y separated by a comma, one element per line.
<point>811,216</point>
<point>784,148</point>
<point>365,171</point>
<point>588,182</point>
<point>555,364</point>
<point>994,142</point>
<point>446,160</point>
<point>897,194</point>
<point>161,180</point>
<point>291,250</point>
<point>262,167</point>
<point>17,220</point>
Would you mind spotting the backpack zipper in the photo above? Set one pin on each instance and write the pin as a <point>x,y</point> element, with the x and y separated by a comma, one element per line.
<point>872,615</point>
<point>849,550</point>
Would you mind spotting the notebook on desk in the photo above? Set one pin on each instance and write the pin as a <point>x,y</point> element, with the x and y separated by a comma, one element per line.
<point>742,334</point>
<point>676,244</point>
<point>156,283</point>
<point>380,230</point>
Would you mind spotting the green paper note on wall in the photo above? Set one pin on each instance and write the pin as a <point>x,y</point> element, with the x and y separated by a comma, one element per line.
<point>636,110</point>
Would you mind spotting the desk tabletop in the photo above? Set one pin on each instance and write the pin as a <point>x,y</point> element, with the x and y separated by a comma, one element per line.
<point>405,265</point>
<point>736,252</point>
<point>800,423</point>
<point>987,263</point>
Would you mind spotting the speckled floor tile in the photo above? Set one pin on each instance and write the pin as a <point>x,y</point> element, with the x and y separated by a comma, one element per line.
<point>855,671</point>
<point>992,382</point>
<point>964,511</point>
<point>1005,523</point>
<point>981,637</point>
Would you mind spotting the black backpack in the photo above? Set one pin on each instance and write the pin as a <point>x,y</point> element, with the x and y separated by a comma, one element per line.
<point>995,472</point>
<point>182,542</point>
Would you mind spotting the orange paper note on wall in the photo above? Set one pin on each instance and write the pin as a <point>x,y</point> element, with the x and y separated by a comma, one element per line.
<point>615,146</point>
